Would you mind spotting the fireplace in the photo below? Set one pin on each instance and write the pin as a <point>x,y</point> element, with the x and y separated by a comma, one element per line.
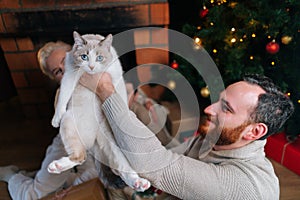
<point>25,25</point>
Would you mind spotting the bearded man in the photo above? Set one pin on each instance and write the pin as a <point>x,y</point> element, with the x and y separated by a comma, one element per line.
<point>226,161</point>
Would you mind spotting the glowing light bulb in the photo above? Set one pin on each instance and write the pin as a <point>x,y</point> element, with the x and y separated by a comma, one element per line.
<point>251,57</point>
<point>241,40</point>
<point>253,35</point>
<point>197,44</point>
<point>272,63</point>
<point>172,84</point>
<point>215,50</point>
<point>232,29</point>
<point>233,40</point>
<point>197,40</point>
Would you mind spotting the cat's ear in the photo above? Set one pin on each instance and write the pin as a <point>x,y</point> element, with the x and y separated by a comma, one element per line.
<point>107,42</point>
<point>79,41</point>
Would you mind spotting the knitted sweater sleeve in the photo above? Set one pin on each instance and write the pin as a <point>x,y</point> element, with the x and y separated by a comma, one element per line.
<point>176,174</point>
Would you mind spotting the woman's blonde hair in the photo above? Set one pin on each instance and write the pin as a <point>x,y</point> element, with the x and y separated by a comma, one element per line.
<point>45,51</point>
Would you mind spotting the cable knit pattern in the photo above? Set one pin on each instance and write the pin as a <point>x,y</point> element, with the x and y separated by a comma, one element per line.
<point>200,173</point>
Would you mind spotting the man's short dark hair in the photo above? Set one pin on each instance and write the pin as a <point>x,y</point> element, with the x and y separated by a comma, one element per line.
<point>273,107</point>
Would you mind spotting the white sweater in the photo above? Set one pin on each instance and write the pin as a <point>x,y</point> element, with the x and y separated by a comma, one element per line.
<point>192,171</point>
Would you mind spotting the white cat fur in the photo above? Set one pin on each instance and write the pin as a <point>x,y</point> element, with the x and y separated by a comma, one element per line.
<point>78,113</point>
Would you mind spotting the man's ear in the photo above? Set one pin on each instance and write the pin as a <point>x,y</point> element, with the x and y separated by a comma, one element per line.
<point>257,131</point>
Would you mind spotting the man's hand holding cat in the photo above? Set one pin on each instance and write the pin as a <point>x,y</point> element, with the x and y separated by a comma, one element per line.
<point>100,83</point>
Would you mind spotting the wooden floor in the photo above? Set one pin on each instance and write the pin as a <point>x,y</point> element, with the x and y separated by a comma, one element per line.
<point>23,143</point>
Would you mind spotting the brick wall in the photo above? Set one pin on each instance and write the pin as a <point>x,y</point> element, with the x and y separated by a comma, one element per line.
<point>20,38</point>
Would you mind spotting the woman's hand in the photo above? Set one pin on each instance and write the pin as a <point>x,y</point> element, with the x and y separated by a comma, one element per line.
<point>100,84</point>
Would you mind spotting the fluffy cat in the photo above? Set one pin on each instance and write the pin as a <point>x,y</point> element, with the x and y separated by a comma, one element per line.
<point>83,126</point>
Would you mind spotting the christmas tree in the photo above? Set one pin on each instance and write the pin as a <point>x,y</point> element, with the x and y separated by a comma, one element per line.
<point>249,37</point>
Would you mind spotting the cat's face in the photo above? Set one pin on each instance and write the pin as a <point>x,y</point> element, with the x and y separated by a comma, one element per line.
<point>92,54</point>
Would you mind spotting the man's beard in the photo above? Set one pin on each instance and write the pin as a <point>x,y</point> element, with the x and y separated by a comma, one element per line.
<point>227,136</point>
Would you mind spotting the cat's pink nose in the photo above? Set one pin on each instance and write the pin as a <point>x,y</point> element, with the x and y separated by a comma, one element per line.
<point>92,67</point>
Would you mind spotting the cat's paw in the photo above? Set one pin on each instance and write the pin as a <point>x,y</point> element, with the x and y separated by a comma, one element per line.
<point>55,122</point>
<point>61,165</point>
<point>141,184</point>
<point>57,117</point>
<point>134,181</point>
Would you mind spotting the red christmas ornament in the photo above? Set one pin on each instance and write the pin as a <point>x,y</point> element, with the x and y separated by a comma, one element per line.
<point>203,12</point>
<point>174,65</point>
<point>272,47</point>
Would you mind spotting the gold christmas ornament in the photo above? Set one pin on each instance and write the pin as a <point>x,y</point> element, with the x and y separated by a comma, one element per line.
<point>204,92</point>
<point>286,39</point>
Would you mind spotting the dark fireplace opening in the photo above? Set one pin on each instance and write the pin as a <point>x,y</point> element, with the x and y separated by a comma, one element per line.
<point>7,87</point>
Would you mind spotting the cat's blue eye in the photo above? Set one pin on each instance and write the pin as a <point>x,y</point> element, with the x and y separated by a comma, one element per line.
<point>99,58</point>
<point>84,57</point>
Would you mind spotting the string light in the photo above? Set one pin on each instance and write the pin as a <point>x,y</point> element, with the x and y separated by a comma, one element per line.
<point>272,63</point>
<point>197,40</point>
<point>298,101</point>
<point>172,84</point>
<point>211,23</point>
<point>197,43</point>
<point>288,94</point>
<point>233,4</point>
<point>251,57</point>
<point>232,29</point>
<point>197,47</point>
<point>233,40</point>
<point>241,40</point>
<point>253,35</point>
<point>215,50</point>
<point>252,22</point>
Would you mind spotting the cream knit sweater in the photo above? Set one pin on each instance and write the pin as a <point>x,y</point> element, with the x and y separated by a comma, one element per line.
<point>192,171</point>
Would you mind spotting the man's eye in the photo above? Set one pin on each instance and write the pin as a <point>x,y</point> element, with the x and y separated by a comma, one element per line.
<point>58,71</point>
<point>84,57</point>
<point>225,108</point>
<point>99,58</point>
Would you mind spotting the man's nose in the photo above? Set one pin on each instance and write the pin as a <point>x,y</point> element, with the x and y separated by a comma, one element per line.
<point>62,66</point>
<point>210,110</point>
